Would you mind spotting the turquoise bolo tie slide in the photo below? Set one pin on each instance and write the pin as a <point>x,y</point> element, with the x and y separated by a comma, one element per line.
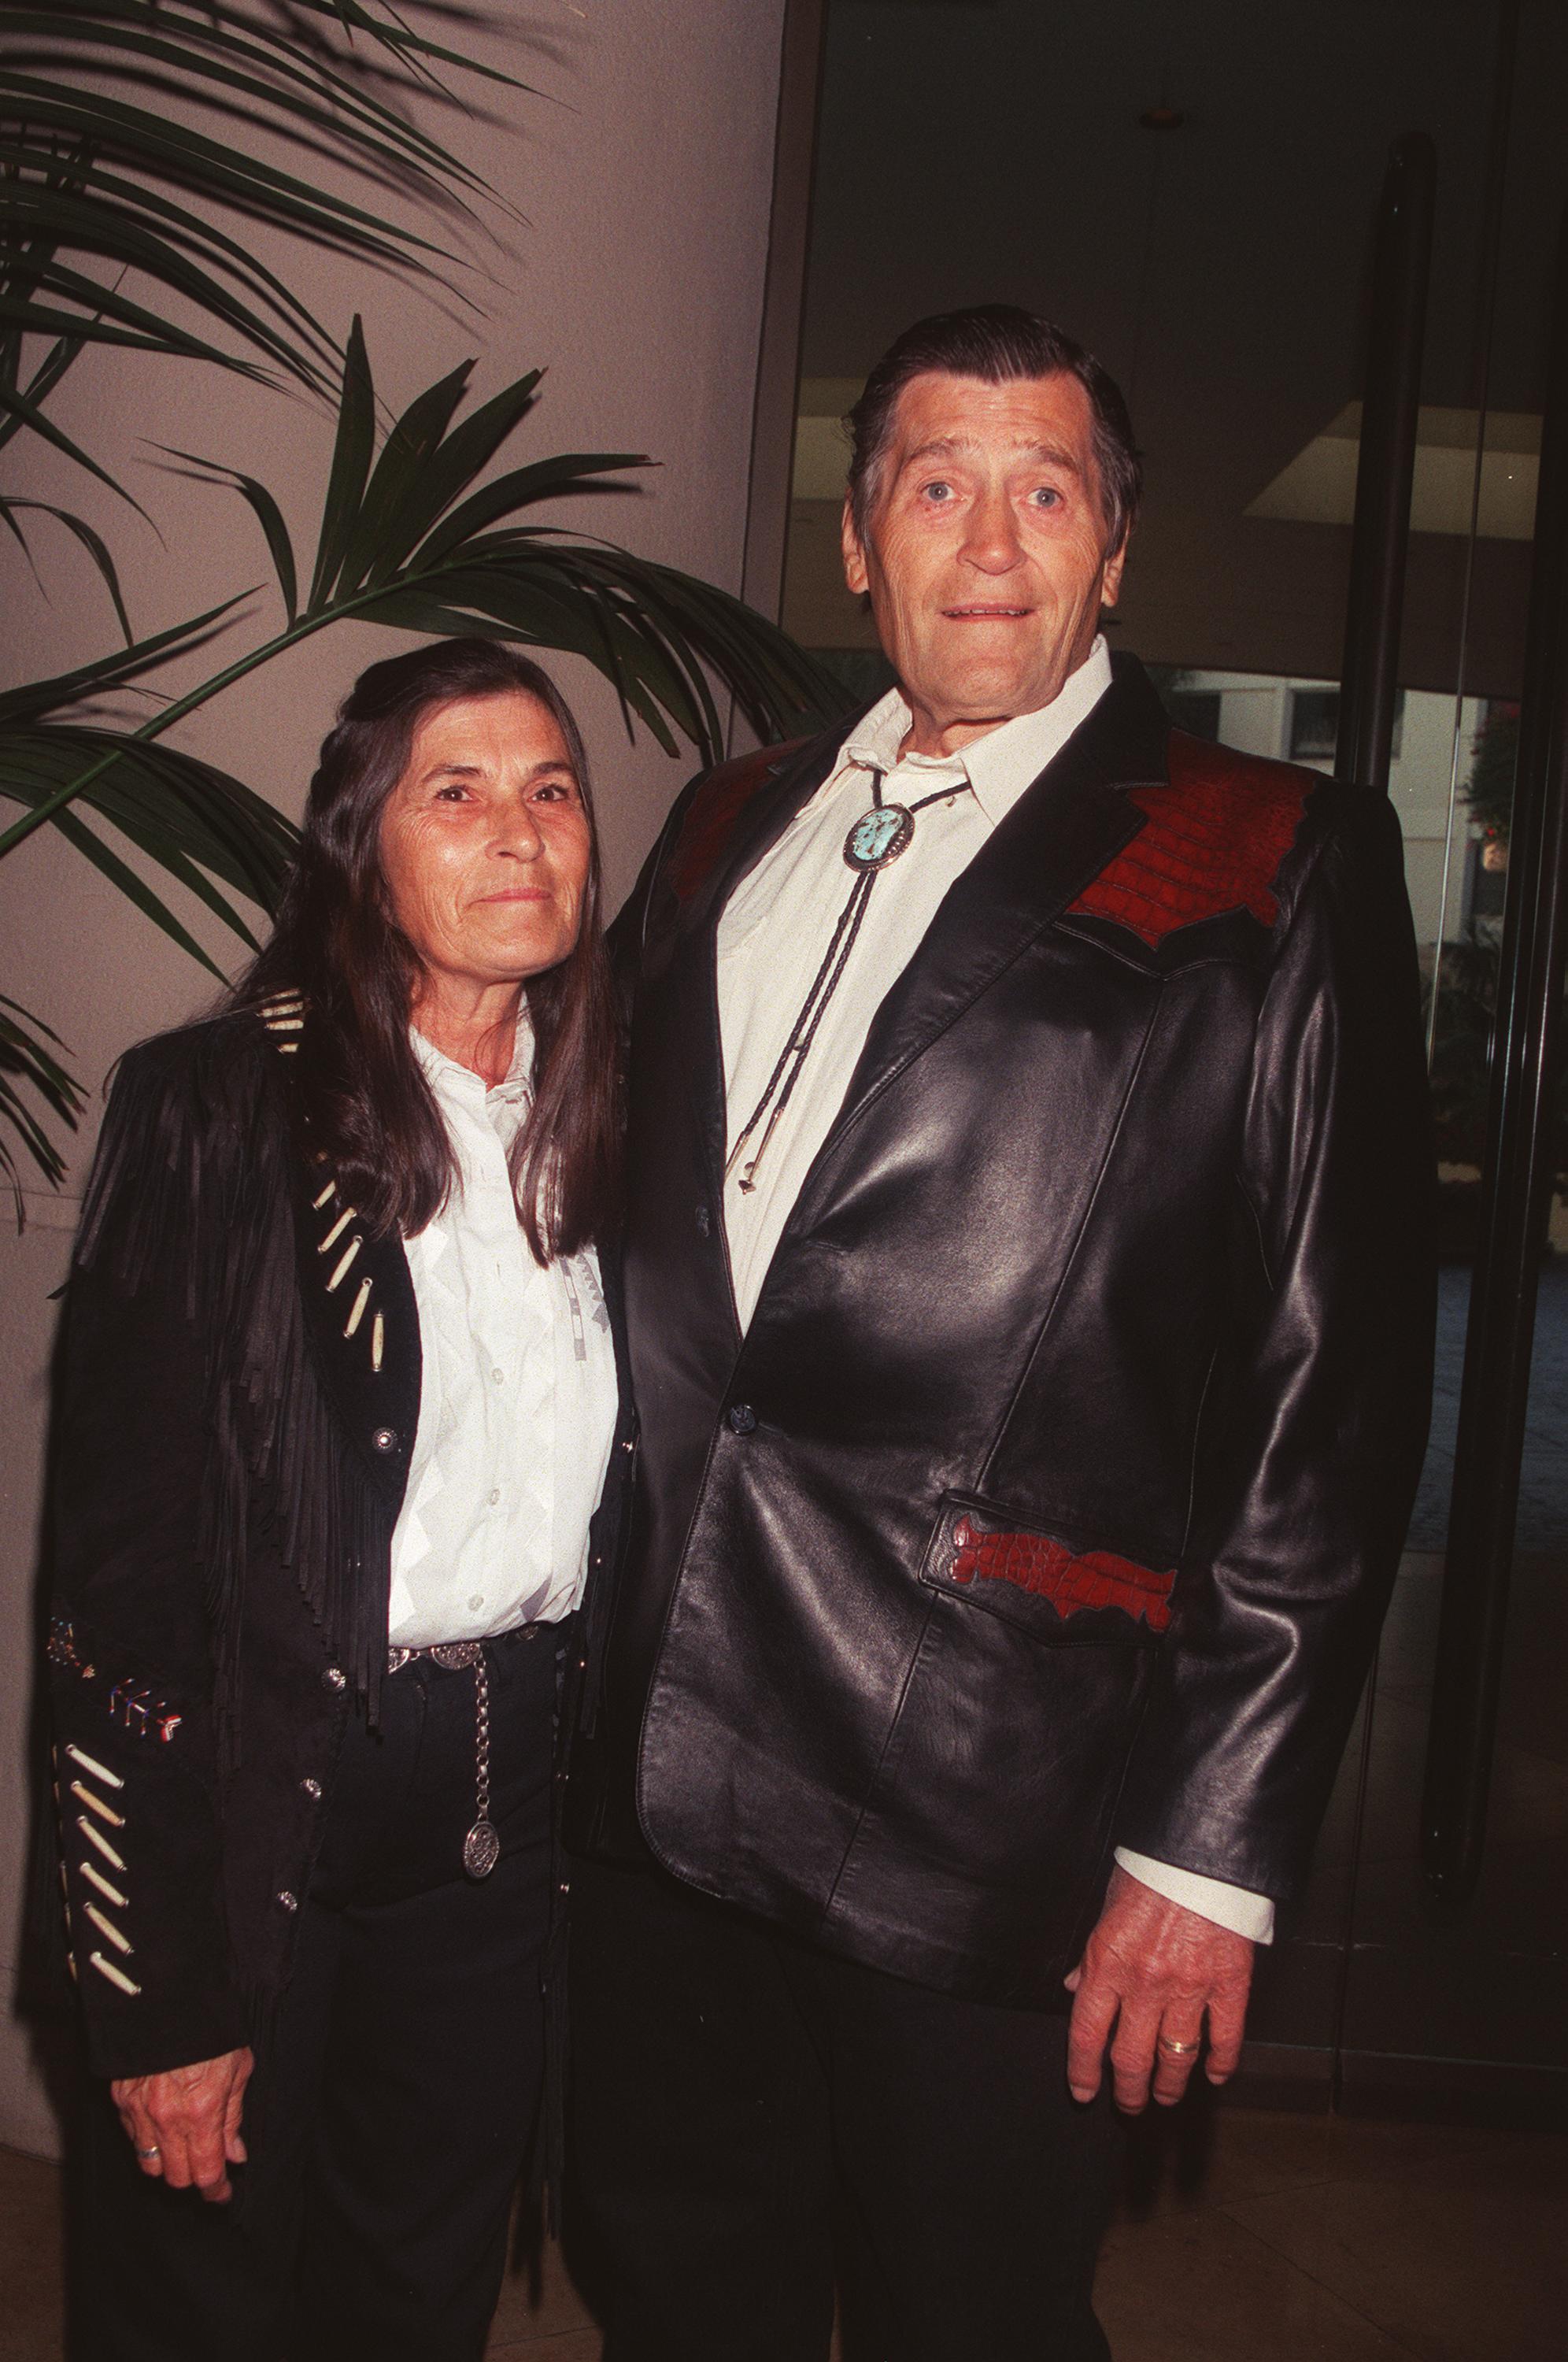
<point>878,836</point>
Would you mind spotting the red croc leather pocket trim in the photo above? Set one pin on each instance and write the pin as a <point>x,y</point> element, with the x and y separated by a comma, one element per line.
<point>1214,843</point>
<point>1071,1581</point>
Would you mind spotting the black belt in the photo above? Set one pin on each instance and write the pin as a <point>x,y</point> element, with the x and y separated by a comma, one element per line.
<point>457,1656</point>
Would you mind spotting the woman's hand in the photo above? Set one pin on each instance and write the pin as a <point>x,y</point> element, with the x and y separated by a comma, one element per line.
<point>184,2124</point>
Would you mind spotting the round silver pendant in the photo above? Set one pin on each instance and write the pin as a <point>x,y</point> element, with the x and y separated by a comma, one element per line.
<point>481,1850</point>
<point>878,836</point>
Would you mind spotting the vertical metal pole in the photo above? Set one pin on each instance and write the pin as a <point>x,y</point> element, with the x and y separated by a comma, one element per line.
<point>1516,1192</point>
<point>1369,676</point>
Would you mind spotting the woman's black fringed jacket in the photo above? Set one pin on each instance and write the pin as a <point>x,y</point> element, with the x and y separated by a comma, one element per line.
<point>237,1397</point>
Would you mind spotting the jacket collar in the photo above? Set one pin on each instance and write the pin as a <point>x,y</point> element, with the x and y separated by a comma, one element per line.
<point>791,783</point>
<point>1064,828</point>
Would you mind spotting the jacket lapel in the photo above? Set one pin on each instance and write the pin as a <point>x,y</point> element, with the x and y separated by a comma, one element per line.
<point>1061,832</point>
<point>364,1330</point>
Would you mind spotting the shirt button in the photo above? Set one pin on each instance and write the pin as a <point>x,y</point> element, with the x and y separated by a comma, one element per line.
<point>287,1902</point>
<point>334,1678</point>
<point>742,1418</point>
<point>500,1376</point>
<point>495,1495</point>
<point>477,1600</point>
<point>384,1438</point>
<point>311,1788</point>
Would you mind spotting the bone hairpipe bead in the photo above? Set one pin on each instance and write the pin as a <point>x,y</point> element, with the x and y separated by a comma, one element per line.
<point>95,1878</point>
<point>91,1763</point>
<point>115,1976</point>
<point>107,1926</point>
<point>92,1838</point>
<point>104,1812</point>
<point>349,1252</point>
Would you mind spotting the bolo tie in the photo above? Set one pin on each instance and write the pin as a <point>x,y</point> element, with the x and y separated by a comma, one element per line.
<point>876,840</point>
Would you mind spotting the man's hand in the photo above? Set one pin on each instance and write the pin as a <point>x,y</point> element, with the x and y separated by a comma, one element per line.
<point>184,2124</point>
<point>1152,1968</point>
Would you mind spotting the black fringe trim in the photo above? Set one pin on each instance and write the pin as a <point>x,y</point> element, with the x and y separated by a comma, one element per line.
<point>193,1191</point>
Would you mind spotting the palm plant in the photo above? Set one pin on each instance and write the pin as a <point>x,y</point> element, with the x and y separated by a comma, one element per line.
<point>95,181</point>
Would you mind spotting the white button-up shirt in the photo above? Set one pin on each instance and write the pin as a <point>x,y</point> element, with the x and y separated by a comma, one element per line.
<point>772,937</point>
<point>517,1396</point>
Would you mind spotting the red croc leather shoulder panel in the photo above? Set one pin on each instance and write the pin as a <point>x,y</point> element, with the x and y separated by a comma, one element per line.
<point>1035,1562</point>
<point>1216,839</point>
<point>713,812</point>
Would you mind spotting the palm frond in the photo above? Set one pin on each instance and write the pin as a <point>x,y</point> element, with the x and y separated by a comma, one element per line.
<point>104,170</point>
<point>406,542</point>
<point>30,701</point>
<point>408,538</point>
<point>188,815</point>
<point>97,548</point>
<point>27,1065</point>
<point>395,546</point>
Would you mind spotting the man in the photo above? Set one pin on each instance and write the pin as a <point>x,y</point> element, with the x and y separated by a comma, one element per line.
<point>1030,1318</point>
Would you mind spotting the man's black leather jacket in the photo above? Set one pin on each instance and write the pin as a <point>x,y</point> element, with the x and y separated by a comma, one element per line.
<point>1053,1497</point>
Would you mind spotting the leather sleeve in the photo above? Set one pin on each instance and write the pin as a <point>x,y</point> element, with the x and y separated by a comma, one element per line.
<point>1315,1421</point>
<point>130,1662</point>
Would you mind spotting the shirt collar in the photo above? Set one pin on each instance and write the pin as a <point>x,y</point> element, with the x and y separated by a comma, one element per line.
<point>1002,764</point>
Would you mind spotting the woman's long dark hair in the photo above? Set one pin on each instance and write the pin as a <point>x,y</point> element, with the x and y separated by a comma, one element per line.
<point>364,1101</point>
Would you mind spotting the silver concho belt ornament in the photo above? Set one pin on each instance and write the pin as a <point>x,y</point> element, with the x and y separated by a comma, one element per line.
<point>878,836</point>
<point>481,1849</point>
<point>482,1846</point>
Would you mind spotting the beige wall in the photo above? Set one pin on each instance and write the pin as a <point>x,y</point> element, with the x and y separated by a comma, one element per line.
<point>644,176</point>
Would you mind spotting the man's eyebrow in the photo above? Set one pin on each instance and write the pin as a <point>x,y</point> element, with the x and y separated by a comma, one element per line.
<point>950,447</point>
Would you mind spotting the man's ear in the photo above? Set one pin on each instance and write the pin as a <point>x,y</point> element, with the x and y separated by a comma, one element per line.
<point>855,572</point>
<point>1111,584</point>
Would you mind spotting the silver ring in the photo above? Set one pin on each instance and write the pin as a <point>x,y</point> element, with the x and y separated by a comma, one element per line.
<point>153,2151</point>
<point>1176,2050</point>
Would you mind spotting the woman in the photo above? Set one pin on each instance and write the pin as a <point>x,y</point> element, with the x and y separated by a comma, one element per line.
<point>337,1399</point>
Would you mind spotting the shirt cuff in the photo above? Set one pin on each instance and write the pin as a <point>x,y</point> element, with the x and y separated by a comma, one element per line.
<point>1236,1907</point>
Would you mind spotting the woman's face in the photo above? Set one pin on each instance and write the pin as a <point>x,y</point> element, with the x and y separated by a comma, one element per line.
<point>484,841</point>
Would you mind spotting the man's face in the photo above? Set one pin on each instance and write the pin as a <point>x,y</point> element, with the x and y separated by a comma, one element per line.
<point>985,555</point>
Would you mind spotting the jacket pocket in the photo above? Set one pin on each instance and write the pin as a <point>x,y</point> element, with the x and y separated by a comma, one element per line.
<point>1058,1585</point>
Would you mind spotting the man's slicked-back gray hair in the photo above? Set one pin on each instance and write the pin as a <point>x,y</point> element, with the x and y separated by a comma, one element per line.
<point>995,342</point>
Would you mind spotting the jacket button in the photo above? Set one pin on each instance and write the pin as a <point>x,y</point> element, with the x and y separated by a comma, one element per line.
<point>288,1902</point>
<point>385,1438</point>
<point>311,1788</point>
<point>742,1418</point>
<point>627,1444</point>
<point>704,1220</point>
<point>334,1678</point>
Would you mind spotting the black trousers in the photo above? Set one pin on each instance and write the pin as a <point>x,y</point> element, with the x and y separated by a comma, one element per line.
<point>748,2112</point>
<point>389,2119</point>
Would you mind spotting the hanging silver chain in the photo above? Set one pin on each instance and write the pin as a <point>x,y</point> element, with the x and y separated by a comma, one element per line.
<point>482,1846</point>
